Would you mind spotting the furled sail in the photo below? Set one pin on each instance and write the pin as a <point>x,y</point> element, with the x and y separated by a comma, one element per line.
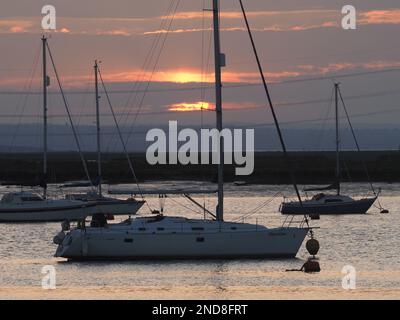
<point>333,186</point>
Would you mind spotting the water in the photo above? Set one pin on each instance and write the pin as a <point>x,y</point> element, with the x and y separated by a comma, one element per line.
<point>369,243</point>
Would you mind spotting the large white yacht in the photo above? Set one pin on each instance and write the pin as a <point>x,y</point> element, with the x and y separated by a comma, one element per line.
<point>162,237</point>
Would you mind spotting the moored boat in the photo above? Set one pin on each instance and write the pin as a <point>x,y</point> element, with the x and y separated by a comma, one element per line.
<point>31,207</point>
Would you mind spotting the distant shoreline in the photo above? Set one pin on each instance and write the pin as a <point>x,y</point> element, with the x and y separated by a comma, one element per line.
<point>270,168</point>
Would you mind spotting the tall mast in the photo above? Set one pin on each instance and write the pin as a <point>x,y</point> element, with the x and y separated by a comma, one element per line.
<point>337,137</point>
<point>218,107</point>
<point>45,84</point>
<point>96,68</point>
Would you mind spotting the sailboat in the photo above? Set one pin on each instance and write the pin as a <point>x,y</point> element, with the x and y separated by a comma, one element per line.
<point>26,206</point>
<point>104,205</point>
<point>175,237</point>
<point>336,203</point>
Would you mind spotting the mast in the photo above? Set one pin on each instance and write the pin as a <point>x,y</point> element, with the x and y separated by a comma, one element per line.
<point>337,138</point>
<point>218,107</point>
<point>96,68</point>
<point>45,84</point>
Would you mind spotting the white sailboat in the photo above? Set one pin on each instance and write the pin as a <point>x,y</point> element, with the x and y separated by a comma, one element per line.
<point>105,205</point>
<point>162,237</point>
<point>31,207</point>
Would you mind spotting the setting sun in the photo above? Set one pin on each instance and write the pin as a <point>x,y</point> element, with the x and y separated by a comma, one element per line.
<point>187,77</point>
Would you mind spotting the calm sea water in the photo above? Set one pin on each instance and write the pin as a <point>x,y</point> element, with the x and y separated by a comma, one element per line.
<point>370,243</point>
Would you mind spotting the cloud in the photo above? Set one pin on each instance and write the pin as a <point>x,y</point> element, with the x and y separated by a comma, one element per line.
<point>207,106</point>
<point>185,76</point>
<point>64,30</point>
<point>190,106</point>
<point>380,17</point>
<point>261,21</point>
<point>15,26</point>
<point>117,32</point>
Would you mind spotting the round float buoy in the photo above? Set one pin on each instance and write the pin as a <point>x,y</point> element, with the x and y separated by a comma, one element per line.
<point>311,265</point>
<point>312,246</point>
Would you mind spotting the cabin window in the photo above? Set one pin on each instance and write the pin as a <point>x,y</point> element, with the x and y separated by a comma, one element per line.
<point>199,239</point>
<point>7,198</point>
<point>160,229</point>
<point>31,199</point>
<point>233,228</point>
<point>128,240</point>
<point>333,200</point>
<point>142,229</point>
<point>197,229</point>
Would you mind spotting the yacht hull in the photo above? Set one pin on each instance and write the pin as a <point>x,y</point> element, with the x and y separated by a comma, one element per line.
<point>46,214</point>
<point>271,243</point>
<point>118,207</point>
<point>355,207</point>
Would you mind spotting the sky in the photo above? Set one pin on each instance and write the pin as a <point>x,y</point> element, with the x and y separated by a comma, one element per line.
<point>157,62</point>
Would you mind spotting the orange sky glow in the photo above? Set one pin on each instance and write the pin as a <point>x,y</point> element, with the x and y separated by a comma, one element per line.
<point>187,107</point>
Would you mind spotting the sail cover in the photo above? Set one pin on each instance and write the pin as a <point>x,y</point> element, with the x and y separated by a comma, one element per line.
<point>333,186</point>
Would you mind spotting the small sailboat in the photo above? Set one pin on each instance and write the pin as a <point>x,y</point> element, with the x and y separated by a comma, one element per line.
<point>171,237</point>
<point>104,205</point>
<point>31,207</point>
<point>330,203</point>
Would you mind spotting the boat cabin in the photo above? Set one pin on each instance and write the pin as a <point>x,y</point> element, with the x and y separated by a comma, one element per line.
<point>20,197</point>
<point>329,198</point>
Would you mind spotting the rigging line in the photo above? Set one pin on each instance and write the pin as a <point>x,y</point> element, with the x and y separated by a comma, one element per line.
<point>184,206</point>
<point>149,56</point>
<point>260,206</point>
<point>122,139</point>
<point>237,126</point>
<point>84,100</point>
<point>226,86</point>
<point>152,73</point>
<point>270,104</point>
<point>282,104</point>
<point>155,66</point>
<point>25,99</point>
<point>83,106</point>
<point>355,140</point>
<point>323,124</point>
<point>256,209</point>
<point>69,117</point>
<point>148,60</point>
<point>146,65</point>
